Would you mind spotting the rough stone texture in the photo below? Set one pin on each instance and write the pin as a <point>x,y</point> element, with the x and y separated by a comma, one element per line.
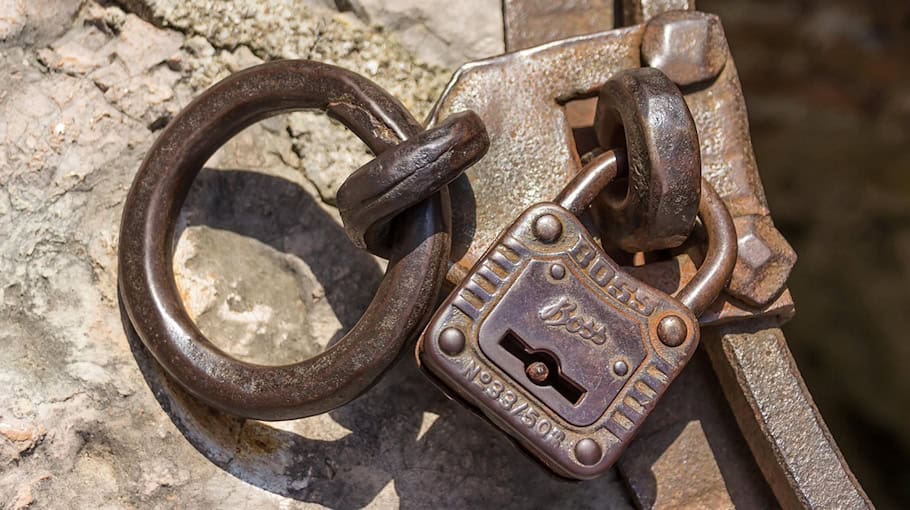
<point>444,33</point>
<point>87,420</point>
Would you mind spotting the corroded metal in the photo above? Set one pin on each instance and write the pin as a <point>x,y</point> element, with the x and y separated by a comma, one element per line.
<point>693,427</point>
<point>687,46</point>
<point>532,22</point>
<point>146,279</point>
<point>787,435</point>
<point>405,175</point>
<point>757,290</point>
<point>654,206</point>
<point>729,163</point>
<point>640,11</point>
<point>520,97</point>
<point>533,114</point>
<point>543,376</point>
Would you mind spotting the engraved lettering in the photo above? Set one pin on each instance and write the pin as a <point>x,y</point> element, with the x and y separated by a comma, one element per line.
<point>499,392</point>
<point>508,399</point>
<point>582,253</point>
<point>517,410</point>
<point>600,272</point>
<point>556,436</point>
<point>494,389</point>
<point>470,369</point>
<point>603,274</point>
<point>564,313</point>
<point>530,418</point>
<point>543,426</point>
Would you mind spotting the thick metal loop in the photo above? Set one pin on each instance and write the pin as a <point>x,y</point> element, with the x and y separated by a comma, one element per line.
<point>405,175</point>
<point>655,206</point>
<point>714,273</point>
<point>402,303</point>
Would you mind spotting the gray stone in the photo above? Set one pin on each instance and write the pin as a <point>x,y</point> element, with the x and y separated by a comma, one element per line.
<point>443,33</point>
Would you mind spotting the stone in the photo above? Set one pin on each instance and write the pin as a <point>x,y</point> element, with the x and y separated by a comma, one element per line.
<point>447,34</point>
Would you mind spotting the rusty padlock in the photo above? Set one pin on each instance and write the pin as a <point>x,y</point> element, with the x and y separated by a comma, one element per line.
<point>552,341</point>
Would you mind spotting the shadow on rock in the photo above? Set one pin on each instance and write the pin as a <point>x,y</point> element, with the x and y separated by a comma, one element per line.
<point>393,434</point>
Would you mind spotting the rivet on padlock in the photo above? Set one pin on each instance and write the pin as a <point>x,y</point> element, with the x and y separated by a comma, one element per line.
<point>553,342</point>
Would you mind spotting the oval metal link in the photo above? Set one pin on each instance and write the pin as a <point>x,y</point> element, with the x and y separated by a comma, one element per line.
<point>405,175</point>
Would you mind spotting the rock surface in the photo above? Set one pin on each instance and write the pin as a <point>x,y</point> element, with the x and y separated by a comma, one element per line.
<point>87,419</point>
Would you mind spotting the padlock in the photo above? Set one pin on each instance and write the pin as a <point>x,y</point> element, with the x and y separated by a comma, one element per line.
<point>556,344</point>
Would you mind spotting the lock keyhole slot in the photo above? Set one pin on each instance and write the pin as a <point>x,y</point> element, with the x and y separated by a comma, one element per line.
<point>542,368</point>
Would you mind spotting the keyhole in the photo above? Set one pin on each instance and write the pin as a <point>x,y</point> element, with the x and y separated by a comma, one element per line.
<point>542,368</point>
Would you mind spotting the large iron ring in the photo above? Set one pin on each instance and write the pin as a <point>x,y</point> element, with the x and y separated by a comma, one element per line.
<point>417,261</point>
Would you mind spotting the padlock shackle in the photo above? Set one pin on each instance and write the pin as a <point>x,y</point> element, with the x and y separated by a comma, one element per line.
<point>714,273</point>
<point>587,184</point>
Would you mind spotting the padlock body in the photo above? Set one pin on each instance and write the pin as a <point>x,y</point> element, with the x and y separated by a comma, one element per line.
<point>553,342</point>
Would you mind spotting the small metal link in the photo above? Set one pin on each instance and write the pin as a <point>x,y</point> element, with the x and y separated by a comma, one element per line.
<point>405,175</point>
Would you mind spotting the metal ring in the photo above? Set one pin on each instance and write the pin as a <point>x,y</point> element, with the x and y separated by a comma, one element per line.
<point>405,175</point>
<point>720,258</point>
<point>714,273</point>
<point>656,209</point>
<point>402,303</point>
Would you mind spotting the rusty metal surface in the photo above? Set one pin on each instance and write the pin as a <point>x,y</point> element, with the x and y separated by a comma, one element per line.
<point>591,324</point>
<point>654,205</point>
<point>531,155</point>
<point>573,404</point>
<point>778,417</point>
<point>577,196</point>
<point>531,22</point>
<point>521,97</point>
<point>712,276</point>
<point>728,162</point>
<point>687,46</point>
<point>690,453</point>
<point>757,290</point>
<point>405,175</point>
<point>146,281</point>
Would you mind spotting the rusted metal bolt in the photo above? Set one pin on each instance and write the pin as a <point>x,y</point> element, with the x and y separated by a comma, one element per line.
<point>547,228</point>
<point>689,47</point>
<point>587,451</point>
<point>620,368</point>
<point>557,271</point>
<point>538,372</point>
<point>764,261</point>
<point>451,341</point>
<point>672,331</point>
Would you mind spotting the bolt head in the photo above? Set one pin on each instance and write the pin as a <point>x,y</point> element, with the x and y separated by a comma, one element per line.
<point>689,47</point>
<point>451,341</point>
<point>587,451</point>
<point>672,330</point>
<point>620,368</point>
<point>763,262</point>
<point>547,228</point>
<point>538,372</point>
